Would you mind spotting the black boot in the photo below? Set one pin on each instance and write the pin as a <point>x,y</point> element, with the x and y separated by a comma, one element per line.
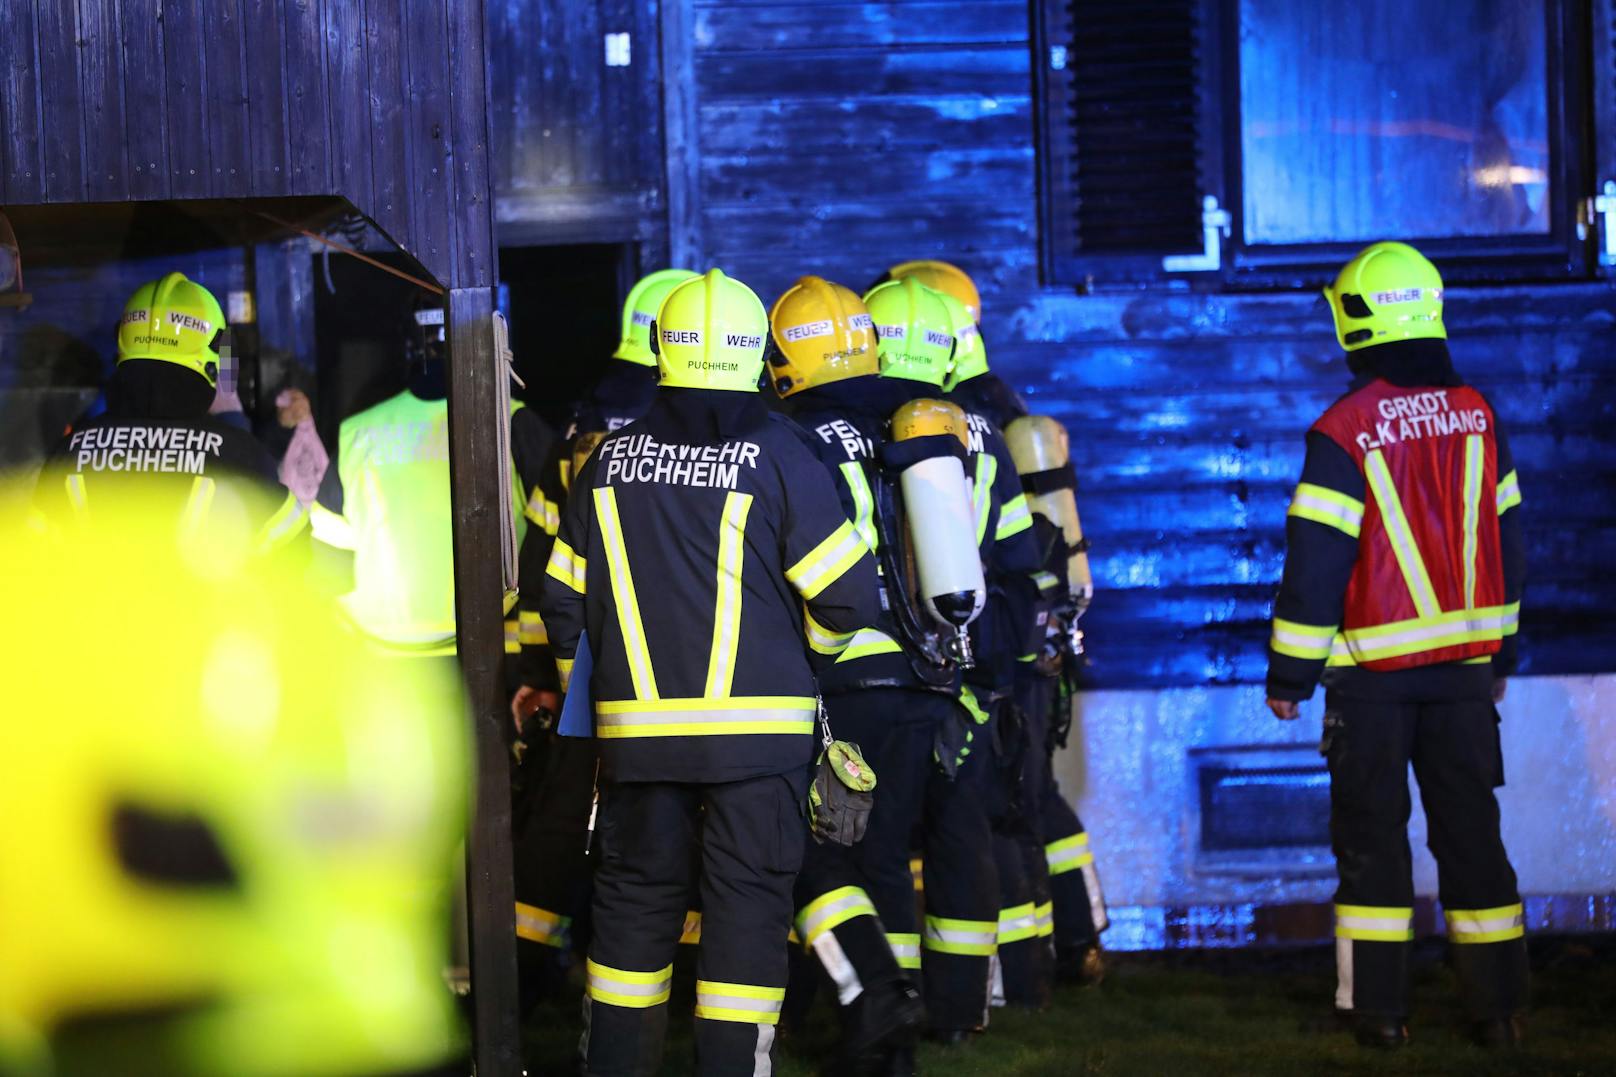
<point>1386,1033</point>
<point>1499,1033</point>
<point>1080,965</point>
<point>882,1020</point>
<point>901,1063</point>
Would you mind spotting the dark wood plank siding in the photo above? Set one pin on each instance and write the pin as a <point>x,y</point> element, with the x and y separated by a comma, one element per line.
<point>108,100</point>
<point>842,137</point>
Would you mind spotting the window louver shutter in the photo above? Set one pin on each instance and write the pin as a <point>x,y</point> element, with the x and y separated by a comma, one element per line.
<point>1128,109</point>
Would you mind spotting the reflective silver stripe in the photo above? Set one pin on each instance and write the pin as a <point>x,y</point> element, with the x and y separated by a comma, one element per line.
<point>198,504</point>
<point>826,563</point>
<point>727,604</point>
<point>820,915</point>
<point>76,494</point>
<point>285,523</point>
<point>628,605</point>
<point>763,1053</point>
<point>738,1002</point>
<point>1475,463</point>
<point>1326,506</point>
<point>1509,492</point>
<point>987,469</point>
<point>906,948</point>
<point>1366,644</point>
<point>1401,535</point>
<point>863,502</point>
<point>1014,517</point>
<point>738,715</point>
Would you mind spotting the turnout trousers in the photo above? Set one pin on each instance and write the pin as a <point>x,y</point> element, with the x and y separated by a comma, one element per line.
<point>1454,747</point>
<point>551,838</point>
<point>864,895</point>
<point>1025,967</point>
<point>739,845</point>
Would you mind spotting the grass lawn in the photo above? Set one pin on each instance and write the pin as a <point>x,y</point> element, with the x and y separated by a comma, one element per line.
<point>1221,1012</point>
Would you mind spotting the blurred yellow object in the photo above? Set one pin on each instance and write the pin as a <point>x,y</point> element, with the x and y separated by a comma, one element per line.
<point>944,277</point>
<point>230,826</point>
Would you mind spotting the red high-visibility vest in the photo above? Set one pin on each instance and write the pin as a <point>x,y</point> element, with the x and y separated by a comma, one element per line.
<point>1429,583</point>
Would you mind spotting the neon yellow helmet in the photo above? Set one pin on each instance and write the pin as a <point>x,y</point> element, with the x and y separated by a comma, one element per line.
<point>710,334</point>
<point>1389,291</point>
<point>640,310</point>
<point>914,331</point>
<point>970,352</point>
<point>945,277</point>
<point>822,333</point>
<point>175,320</point>
<point>236,862</point>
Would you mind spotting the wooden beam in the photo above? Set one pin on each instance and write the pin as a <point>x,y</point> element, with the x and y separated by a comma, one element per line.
<point>681,122</point>
<point>477,470</point>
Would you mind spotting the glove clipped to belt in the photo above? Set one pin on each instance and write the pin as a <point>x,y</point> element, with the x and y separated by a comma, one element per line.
<point>842,793</point>
<point>954,738</point>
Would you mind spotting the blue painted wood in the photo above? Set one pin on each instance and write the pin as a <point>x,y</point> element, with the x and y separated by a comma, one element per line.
<point>308,128</point>
<point>187,96</point>
<point>228,116</point>
<point>61,145</point>
<point>143,67</point>
<point>99,59</point>
<point>20,178</point>
<point>264,35</point>
<point>348,86</point>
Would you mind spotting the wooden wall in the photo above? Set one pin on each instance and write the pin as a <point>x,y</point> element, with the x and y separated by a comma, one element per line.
<point>841,137</point>
<point>383,102</point>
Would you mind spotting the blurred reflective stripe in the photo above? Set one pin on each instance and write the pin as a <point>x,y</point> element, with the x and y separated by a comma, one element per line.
<point>1045,915</point>
<point>867,642</point>
<point>863,502</point>
<point>906,948</point>
<point>967,938</point>
<point>566,566</point>
<point>1017,923</point>
<point>76,494</point>
<point>1301,641</point>
<point>1486,925</point>
<point>917,872</point>
<point>704,716</point>
<point>825,563</point>
<point>727,604</point>
<point>1401,535</point>
<point>1509,492</point>
<point>1046,581</point>
<point>744,1003</point>
<point>543,512</point>
<point>564,671</point>
<point>331,528</point>
<point>1355,645</point>
<point>288,521</point>
<point>628,605</point>
<point>197,505</point>
<point>821,639</point>
<point>832,909</point>
<point>1512,618</point>
<point>1330,507</point>
<point>1068,854</point>
<point>1014,518</point>
<point>987,469</point>
<point>530,629</point>
<point>1475,462</point>
<point>513,637</point>
<point>543,926</point>
<point>1373,923</point>
<point>690,935</point>
<point>633,990</point>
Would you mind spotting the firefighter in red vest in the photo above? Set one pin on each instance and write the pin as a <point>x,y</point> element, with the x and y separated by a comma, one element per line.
<point>1402,588</point>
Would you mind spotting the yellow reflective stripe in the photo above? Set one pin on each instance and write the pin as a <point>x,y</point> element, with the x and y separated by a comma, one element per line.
<point>987,469</point>
<point>1046,919</point>
<point>628,606</point>
<point>1509,492</point>
<point>1421,634</point>
<point>564,671</point>
<point>633,990</point>
<point>1401,535</point>
<point>968,699</point>
<point>543,512</point>
<point>1046,581</point>
<point>199,502</point>
<point>1014,518</point>
<point>566,566</point>
<point>727,603</point>
<point>906,948</point>
<point>513,637</point>
<point>745,1003</point>
<point>1300,640</point>
<point>1018,923</point>
<point>1475,462</point>
<point>867,642</point>
<point>704,717</point>
<point>691,934</point>
<point>1486,925</point>
<point>822,639</point>
<point>530,628</point>
<point>1068,854</point>
<point>1512,618</point>
<point>863,502</point>
<point>968,938</point>
<point>1373,923</point>
<point>542,926</point>
<point>1325,506</point>
<point>287,523</point>
<point>830,910</point>
<point>331,528</point>
<point>77,496</point>
<point>826,563</point>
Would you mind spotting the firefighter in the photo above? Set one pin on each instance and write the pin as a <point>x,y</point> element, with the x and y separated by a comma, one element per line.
<point>1073,912</point>
<point>211,874</point>
<point>855,906</point>
<point>1401,591</point>
<point>556,777</point>
<point>157,440</point>
<point>700,548</point>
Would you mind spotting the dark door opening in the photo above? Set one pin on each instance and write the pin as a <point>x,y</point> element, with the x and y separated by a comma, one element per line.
<point>564,306</point>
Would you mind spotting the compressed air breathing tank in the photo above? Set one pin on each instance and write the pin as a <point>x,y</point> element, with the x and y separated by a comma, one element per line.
<point>1042,452</point>
<point>937,503</point>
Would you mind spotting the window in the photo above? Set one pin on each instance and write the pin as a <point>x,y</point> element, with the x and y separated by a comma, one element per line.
<point>1260,142</point>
